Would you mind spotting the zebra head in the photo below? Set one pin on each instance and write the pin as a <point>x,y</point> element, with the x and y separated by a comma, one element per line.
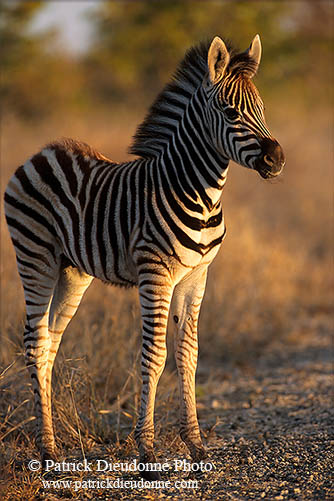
<point>235,110</point>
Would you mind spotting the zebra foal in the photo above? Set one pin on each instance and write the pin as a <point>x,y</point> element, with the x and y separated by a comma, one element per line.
<point>155,222</point>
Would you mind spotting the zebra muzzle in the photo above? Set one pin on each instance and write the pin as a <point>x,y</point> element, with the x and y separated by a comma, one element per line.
<point>272,160</point>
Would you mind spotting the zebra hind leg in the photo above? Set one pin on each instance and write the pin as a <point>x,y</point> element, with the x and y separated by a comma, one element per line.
<point>38,288</point>
<point>70,287</point>
<point>52,298</point>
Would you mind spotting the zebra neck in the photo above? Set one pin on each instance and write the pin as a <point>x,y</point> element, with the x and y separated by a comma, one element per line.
<point>191,160</point>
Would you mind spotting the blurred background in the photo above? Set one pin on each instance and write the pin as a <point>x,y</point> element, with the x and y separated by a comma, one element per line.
<point>65,57</point>
<point>89,70</point>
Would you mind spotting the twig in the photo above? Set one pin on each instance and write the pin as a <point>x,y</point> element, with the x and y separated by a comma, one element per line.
<point>25,421</point>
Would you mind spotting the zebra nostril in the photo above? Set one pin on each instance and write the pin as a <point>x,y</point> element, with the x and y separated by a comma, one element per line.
<point>268,159</point>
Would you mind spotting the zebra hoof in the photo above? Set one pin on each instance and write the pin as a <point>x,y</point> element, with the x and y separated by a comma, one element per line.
<point>148,459</point>
<point>150,475</point>
<point>47,456</point>
<point>198,454</point>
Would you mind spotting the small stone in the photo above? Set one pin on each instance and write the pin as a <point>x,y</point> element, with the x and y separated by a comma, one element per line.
<point>215,404</point>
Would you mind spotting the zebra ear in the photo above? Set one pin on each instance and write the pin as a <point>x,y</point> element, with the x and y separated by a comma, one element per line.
<point>254,51</point>
<point>218,59</point>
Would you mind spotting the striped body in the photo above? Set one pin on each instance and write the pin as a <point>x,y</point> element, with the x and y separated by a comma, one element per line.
<point>155,222</point>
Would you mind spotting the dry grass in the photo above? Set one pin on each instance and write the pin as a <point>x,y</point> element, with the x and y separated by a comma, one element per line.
<point>269,283</point>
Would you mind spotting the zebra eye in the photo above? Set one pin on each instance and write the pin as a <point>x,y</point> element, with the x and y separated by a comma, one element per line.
<point>231,113</point>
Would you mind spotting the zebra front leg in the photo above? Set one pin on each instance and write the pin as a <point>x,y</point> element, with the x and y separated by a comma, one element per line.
<point>185,309</point>
<point>155,297</point>
<point>37,343</point>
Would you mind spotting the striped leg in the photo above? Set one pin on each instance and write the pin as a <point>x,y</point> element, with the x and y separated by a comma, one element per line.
<point>155,295</point>
<point>38,289</point>
<point>71,285</point>
<point>50,304</point>
<point>185,309</point>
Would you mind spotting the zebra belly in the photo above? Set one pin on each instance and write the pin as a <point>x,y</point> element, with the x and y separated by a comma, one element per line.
<point>117,269</point>
<point>125,274</point>
<point>110,263</point>
<point>113,260</point>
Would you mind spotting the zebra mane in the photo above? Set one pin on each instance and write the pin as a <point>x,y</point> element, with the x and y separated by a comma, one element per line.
<point>77,148</point>
<point>169,106</point>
